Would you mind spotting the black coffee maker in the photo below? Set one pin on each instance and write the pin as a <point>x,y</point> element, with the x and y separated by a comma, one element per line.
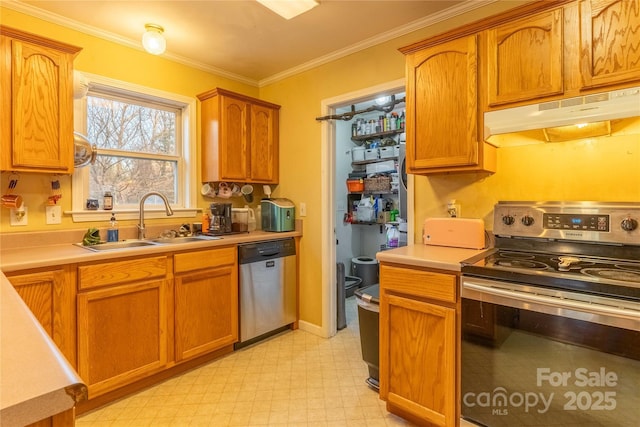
<point>220,218</point>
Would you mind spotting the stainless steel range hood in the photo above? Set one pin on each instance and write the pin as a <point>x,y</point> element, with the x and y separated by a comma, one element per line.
<point>599,107</point>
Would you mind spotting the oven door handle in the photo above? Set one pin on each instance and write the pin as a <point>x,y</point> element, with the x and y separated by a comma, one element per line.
<point>562,303</point>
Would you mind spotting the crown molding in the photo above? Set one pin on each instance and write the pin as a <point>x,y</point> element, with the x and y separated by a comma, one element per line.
<point>418,24</point>
<point>459,9</point>
<point>115,38</point>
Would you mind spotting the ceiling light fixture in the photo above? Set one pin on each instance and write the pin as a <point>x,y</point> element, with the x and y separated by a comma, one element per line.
<point>289,8</point>
<point>152,40</point>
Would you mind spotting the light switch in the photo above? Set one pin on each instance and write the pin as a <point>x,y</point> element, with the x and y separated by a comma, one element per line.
<point>54,214</point>
<point>303,209</point>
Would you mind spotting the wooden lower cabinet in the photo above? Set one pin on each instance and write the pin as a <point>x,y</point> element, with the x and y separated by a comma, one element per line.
<point>122,334</point>
<point>63,419</point>
<point>51,295</point>
<point>206,301</point>
<point>418,345</point>
<point>122,322</point>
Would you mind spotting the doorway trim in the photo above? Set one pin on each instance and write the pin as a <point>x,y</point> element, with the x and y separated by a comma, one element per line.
<point>328,171</point>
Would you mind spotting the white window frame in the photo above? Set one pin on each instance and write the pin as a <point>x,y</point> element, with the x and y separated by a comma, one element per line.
<point>186,191</point>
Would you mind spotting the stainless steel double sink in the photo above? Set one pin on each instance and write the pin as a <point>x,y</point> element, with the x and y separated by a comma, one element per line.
<point>135,243</point>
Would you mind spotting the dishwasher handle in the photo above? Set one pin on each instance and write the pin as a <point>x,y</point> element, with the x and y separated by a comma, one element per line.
<point>261,251</point>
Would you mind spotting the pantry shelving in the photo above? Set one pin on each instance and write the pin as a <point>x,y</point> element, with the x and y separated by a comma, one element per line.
<point>377,135</point>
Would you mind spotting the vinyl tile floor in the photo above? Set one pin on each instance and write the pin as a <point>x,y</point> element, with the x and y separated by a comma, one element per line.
<point>293,379</point>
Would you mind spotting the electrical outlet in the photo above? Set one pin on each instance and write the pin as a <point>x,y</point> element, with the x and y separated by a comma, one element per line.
<point>453,209</point>
<point>303,209</point>
<point>54,214</point>
<point>19,216</point>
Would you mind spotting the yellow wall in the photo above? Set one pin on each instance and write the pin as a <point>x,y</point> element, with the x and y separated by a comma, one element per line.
<point>597,169</point>
<point>578,170</point>
<point>114,61</point>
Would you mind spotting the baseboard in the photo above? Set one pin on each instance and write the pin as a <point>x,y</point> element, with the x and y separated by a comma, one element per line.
<point>312,328</point>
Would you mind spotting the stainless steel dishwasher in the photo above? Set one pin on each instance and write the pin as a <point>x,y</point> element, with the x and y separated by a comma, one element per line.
<point>267,288</point>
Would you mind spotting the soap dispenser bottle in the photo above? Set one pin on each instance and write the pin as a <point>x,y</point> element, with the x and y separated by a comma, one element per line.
<point>112,231</point>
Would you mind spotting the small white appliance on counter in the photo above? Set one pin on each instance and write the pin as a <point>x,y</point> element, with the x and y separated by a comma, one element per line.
<point>454,232</point>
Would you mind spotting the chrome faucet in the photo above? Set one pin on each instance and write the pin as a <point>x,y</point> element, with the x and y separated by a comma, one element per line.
<point>142,200</point>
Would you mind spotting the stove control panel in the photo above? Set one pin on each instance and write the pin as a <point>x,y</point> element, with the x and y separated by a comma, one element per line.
<point>577,221</point>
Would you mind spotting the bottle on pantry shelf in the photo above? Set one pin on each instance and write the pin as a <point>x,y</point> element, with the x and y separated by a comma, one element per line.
<point>402,120</point>
<point>107,201</point>
<point>393,236</point>
<point>393,122</point>
<point>112,231</point>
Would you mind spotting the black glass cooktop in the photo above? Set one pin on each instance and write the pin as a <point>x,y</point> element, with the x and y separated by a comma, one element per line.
<point>597,275</point>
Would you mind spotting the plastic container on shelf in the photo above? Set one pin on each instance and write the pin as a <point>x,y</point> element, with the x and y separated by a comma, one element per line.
<point>371,154</point>
<point>357,154</point>
<point>355,185</point>
<point>387,152</point>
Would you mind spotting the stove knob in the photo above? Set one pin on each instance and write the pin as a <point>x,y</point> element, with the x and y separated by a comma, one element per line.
<point>629,224</point>
<point>527,220</point>
<point>508,220</point>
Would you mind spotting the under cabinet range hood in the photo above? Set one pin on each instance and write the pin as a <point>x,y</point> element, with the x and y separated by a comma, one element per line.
<point>583,116</point>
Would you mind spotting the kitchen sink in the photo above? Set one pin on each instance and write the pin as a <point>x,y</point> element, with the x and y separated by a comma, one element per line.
<point>187,239</point>
<point>127,244</point>
<point>123,244</point>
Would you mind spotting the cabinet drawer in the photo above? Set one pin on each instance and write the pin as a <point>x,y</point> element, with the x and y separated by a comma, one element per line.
<point>212,258</point>
<point>110,273</point>
<point>419,282</point>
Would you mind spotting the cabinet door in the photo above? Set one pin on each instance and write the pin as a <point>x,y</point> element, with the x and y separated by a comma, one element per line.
<point>233,139</point>
<point>418,359</point>
<point>121,334</point>
<point>50,295</point>
<point>524,59</point>
<point>206,311</point>
<point>442,106</point>
<point>38,109</point>
<point>264,145</point>
<point>609,42</point>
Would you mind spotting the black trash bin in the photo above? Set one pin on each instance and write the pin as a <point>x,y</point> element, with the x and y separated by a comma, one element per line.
<point>368,300</point>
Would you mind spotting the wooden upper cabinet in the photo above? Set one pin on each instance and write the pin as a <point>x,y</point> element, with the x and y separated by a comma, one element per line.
<point>239,138</point>
<point>264,144</point>
<point>442,107</point>
<point>609,41</point>
<point>525,59</point>
<point>36,111</point>
<point>233,131</point>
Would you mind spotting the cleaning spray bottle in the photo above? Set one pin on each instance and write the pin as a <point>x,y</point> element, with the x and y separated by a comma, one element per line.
<point>393,236</point>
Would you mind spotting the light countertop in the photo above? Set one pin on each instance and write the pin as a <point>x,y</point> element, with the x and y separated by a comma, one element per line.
<point>36,381</point>
<point>48,253</point>
<point>418,255</point>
